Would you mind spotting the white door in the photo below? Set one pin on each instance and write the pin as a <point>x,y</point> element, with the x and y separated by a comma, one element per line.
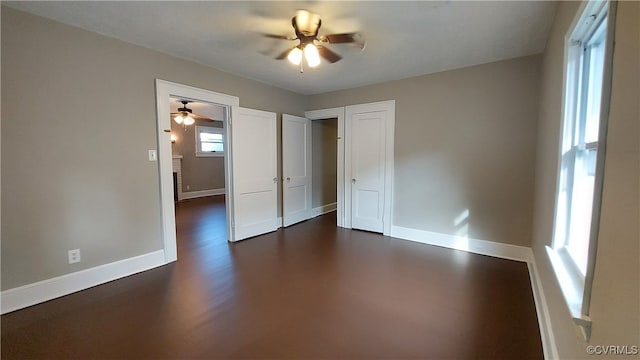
<point>255,179</point>
<point>296,169</point>
<point>370,128</point>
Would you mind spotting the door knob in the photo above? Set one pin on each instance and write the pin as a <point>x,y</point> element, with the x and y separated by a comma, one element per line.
<point>288,179</point>
<point>275,179</point>
<point>353,181</point>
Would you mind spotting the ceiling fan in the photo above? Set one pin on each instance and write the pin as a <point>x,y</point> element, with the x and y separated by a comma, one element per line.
<point>186,116</point>
<point>306,25</point>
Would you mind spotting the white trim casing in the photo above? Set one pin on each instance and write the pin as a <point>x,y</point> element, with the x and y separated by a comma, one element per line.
<point>338,113</point>
<point>164,90</point>
<point>32,294</point>
<point>575,286</point>
<point>202,193</point>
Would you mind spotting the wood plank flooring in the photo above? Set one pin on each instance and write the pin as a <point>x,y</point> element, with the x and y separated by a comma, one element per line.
<point>309,291</point>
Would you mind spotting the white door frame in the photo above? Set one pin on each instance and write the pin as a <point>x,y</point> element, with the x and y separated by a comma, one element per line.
<point>344,158</point>
<point>164,90</point>
<point>338,112</point>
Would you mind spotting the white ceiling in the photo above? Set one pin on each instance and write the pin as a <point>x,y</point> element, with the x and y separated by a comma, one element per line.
<point>404,39</point>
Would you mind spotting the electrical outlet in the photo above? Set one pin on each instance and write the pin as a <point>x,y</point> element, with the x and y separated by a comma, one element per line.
<point>74,256</point>
<point>188,187</point>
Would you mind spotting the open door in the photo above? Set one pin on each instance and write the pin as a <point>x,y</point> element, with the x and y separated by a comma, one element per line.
<point>296,169</point>
<point>255,178</point>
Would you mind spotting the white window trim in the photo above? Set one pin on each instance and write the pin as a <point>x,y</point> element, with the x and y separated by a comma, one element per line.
<point>209,129</point>
<point>576,288</point>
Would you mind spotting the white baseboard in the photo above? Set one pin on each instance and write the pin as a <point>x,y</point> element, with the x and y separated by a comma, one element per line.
<point>499,250</point>
<point>314,212</point>
<point>201,193</point>
<point>484,247</point>
<point>542,310</point>
<point>324,209</point>
<point>41,291</point>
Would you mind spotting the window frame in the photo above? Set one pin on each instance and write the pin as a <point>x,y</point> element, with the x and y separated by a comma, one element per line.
<point>211,130</point>
<point>576,287</point>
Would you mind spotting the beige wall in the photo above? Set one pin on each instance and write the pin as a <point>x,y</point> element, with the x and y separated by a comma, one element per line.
<point>615,298</point>
<point>325,160</point>
<point>76,175</point>
<point>199,173</point>
<point>464,140</point>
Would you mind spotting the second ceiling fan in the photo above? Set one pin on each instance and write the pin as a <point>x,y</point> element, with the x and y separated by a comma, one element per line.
<point>186,116</point>
<point>310,47</point>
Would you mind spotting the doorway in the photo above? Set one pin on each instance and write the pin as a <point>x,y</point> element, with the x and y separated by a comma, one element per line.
<point>370,143</point>
<point>324,154</point>
<point>197,145</point>
<point>309,168</point>
<point>338,114</point>
<point>198,149</point>
<point>164,92</point>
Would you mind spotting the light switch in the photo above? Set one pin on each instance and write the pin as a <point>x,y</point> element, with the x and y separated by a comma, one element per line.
<point>153,155</point>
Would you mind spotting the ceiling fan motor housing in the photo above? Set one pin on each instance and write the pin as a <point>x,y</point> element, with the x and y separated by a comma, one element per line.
<point>185,109</point>
<point>306,24</point>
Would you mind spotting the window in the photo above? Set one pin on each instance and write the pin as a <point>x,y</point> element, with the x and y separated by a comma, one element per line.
<point>209,141</point>
<point>581,166</point>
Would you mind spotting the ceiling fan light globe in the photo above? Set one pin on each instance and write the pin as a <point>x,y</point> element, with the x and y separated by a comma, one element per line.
<point>295,56</point>
<point>189,120</point>
<point>178,119</point>
<point>312,56</point>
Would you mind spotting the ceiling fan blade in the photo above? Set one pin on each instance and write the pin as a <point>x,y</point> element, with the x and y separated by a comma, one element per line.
<point>340,38</point>
<point>328,54</point>
<point>352,38</point>
<point>200,117</point>
<point>284,54</point>
<point>280,37</point>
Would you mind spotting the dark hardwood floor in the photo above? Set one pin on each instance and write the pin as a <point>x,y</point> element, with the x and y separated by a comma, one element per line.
<point>309,291</point>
